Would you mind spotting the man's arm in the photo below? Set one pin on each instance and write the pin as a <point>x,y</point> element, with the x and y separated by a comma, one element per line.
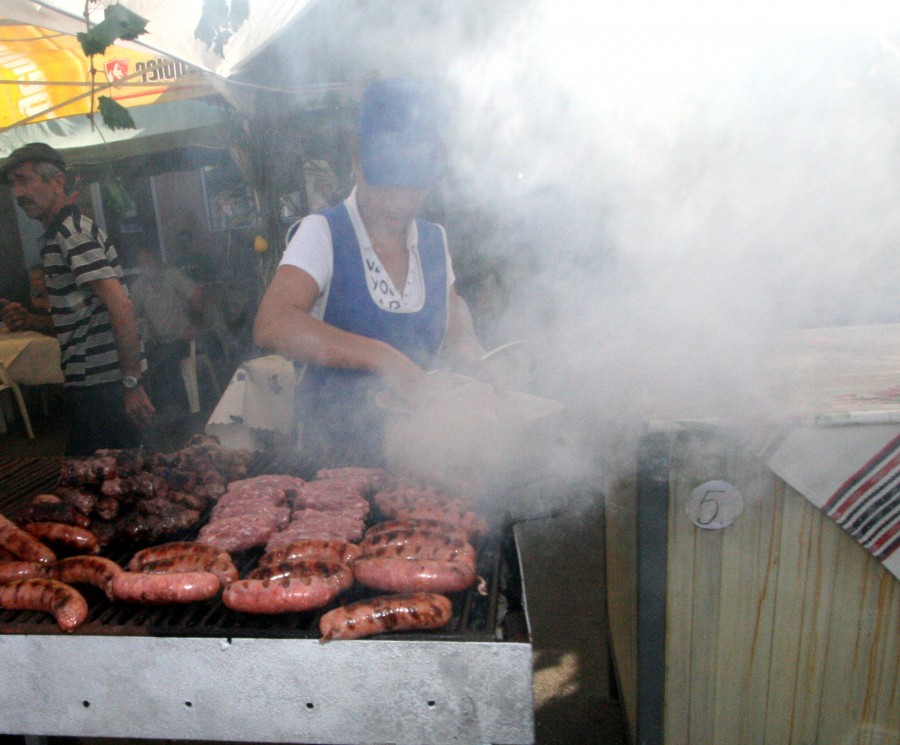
<point>128,342</point>
<point>284,325</point>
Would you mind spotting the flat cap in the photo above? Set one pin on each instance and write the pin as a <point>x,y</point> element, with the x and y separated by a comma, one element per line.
<point>33,152</point>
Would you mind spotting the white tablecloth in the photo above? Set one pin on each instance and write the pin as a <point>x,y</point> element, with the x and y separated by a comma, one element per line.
<point>31,358</point>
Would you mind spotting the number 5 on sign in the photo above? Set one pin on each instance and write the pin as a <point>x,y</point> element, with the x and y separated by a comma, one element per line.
<point>714,505</point>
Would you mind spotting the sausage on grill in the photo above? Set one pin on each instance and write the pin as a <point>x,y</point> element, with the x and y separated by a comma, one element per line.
<point>312,548</point>
<point>424,524</point>
<point>414,536</point>
<point>62,534</point>
<point>285,595</point>
<point>462,555</point>
<point>89,570</point>
<point>400,612</point>
<point>337,573</point>
<point>165,589</point>
<point>169,550</point>
<point>17,569</point>
<point>23,545</point>
<point>65,603</point>
<point>413,575</point>
<point>219,564</point>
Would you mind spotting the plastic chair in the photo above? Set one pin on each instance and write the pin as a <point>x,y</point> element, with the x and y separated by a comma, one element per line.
<point>189,376</point>
<point>7,383</point>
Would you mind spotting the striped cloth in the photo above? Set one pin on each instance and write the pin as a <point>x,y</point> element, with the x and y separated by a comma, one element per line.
<point>852,474</point>
<point>867,505</point>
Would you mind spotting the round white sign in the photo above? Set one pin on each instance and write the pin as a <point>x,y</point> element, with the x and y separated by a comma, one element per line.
<point>714,505</point>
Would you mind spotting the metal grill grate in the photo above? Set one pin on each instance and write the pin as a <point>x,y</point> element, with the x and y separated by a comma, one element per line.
<point>476,617</point>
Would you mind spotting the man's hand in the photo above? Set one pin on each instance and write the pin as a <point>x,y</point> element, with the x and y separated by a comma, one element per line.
<point>138,406</point>
<point>15,315</point>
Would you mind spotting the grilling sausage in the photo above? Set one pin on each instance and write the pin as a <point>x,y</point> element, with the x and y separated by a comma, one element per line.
<point>285,595</point>
<point>15,569</point>
<point>163,589</point>
<point>413,575</point>
<point>65,535</point>
<point>221,565</point>
<point>312,548</point>
<point>336,572</point>
<point>65,603</point>
<point>463,555</point>
<point>89,570</point>
<point>415,539</point>
<point>22,544</point>
<point>400,612</point>
<point>169,550</point>
<point>428,525</point>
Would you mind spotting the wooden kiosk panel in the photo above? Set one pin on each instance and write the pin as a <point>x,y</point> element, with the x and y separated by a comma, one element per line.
<point>779,628</point>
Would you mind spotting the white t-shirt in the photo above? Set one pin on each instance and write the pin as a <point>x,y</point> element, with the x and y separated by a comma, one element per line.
<point>310,249</point>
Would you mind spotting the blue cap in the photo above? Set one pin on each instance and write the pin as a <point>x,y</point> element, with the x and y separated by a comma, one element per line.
<point>401,133</point>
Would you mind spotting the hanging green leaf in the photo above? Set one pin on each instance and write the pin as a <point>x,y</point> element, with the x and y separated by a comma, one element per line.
<point>116,197</point>
<point>115,116</point>
<point>98,38</point>
<point>128,24</point>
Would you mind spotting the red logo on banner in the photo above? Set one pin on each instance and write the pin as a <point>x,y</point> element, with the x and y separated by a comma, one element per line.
<point>116,69</point>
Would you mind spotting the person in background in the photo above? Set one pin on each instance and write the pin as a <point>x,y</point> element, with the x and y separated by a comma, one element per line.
<point>364,294</point>
<point>169,307</point>
<point>91,313</point>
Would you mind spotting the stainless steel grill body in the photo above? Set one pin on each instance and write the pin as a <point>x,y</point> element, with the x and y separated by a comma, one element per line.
<point>203,672</point>
<point>267,690</point>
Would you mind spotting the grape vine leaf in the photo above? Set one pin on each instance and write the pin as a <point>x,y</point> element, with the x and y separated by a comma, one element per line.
<point>115,116</point>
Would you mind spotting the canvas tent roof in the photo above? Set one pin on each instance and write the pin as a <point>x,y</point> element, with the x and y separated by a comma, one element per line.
<point>41,65</point>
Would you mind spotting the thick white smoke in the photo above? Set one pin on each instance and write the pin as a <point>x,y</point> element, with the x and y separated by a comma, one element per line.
<point>685,186</point>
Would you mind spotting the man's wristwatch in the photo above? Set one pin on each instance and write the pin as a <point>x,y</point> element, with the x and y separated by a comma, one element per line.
<point>129,381</point>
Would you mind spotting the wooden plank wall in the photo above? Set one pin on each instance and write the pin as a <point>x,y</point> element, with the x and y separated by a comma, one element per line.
<point>780,629</point>
<point>621,585</point>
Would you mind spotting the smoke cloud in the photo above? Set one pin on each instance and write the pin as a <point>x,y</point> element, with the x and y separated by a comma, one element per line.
<point>685,187</point>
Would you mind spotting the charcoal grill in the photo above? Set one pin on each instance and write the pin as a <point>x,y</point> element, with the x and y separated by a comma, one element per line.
<point>202,671</point>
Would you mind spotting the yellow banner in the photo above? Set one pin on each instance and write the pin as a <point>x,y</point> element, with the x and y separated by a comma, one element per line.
<point>45,75</point>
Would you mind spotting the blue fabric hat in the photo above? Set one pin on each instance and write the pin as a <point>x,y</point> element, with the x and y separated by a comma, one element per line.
<point>401,133</point>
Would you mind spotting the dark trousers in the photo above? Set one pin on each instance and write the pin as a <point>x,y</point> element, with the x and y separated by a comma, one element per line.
<point>166,385</point>
<point>97,419</point>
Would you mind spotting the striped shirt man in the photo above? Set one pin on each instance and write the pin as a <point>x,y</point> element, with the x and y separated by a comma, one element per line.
<point>75,253</point>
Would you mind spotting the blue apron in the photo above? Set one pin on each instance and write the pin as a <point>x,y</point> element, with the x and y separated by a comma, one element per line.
<point>341,424</point>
